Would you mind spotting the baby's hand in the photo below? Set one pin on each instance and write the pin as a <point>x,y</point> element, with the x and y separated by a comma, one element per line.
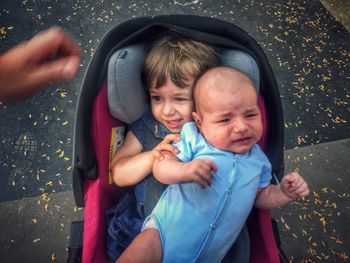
<point>166,146</point>
<point>199,171</point>
<point>294,186</point>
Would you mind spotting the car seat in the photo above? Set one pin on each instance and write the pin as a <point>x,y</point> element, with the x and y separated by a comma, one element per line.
<point>111,87</point>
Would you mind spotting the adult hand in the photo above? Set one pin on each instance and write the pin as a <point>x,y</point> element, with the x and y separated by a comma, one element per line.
<point>50,57</point>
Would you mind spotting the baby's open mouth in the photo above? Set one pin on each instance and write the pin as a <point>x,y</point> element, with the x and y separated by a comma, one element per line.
<point>243,140</point>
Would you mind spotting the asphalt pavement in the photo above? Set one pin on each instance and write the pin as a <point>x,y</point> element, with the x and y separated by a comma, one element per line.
<point>307,44</point>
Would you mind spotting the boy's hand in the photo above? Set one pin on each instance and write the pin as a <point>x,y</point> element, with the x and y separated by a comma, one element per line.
<point>166,146</point>
<point>199,171</point>
<point>294,186</point>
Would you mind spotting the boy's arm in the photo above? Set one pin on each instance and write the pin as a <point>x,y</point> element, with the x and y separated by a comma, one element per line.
<point>292,187</point>
<point>130,166</point>
<point>171,170</point>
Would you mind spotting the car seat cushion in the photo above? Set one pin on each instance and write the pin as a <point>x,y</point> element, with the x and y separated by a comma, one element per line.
<point>243,61</point>
<point>126,96</point>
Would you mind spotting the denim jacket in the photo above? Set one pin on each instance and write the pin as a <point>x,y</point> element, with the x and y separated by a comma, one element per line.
<point>124,220</point>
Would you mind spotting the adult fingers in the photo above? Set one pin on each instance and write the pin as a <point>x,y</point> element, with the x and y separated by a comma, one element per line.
<point>53,72</point>
<point>52,43</point>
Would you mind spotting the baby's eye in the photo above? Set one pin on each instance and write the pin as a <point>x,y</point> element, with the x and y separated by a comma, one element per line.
<point>224,120</point>
<point>251,115</point>
<point>180,99</point>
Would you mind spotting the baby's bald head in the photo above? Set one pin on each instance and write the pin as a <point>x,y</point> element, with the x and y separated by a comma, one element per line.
<point>218,79</point>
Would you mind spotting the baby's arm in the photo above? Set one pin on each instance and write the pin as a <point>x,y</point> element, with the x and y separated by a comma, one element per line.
<point>130,166</point>
<point>291,187</point>
<point>171,170</point>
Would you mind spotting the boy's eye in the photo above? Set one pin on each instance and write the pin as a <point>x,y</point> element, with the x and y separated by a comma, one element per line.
<point>156,98</point>
<point>180,99</point>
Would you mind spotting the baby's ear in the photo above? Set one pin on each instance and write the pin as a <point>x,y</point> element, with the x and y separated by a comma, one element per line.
<point>197,119</point>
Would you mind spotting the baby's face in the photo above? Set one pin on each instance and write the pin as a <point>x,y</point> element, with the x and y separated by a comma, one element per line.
<point>172,105</point>
<point>229,118</point>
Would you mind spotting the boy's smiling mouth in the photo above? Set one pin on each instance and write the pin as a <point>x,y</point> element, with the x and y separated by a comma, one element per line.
<point>173,123</point>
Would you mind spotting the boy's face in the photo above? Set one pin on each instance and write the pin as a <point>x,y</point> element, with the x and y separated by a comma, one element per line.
<point>229,117</point>
<point>171,105</point>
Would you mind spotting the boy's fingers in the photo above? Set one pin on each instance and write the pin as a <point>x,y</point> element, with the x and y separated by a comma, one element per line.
<point>171,138</point>
<point>167,147</point>
<point>158,155</point>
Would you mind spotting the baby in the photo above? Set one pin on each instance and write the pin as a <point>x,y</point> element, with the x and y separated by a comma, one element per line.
<point>199,224</point>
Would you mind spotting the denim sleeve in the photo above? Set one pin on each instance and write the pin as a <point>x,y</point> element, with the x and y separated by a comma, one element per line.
<point>138,129</point>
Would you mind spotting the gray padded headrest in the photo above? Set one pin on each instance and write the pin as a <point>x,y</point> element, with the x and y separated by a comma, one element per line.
<point>126,97</point>
<point>242,61</point>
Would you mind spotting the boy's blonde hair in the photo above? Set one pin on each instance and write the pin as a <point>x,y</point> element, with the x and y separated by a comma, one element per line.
<point>179,58</point>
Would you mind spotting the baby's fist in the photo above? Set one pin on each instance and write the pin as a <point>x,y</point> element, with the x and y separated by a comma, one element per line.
<point>294,186</point>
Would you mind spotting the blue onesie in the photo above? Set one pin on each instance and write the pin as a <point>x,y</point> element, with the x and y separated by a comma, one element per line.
<point>200,225</point>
